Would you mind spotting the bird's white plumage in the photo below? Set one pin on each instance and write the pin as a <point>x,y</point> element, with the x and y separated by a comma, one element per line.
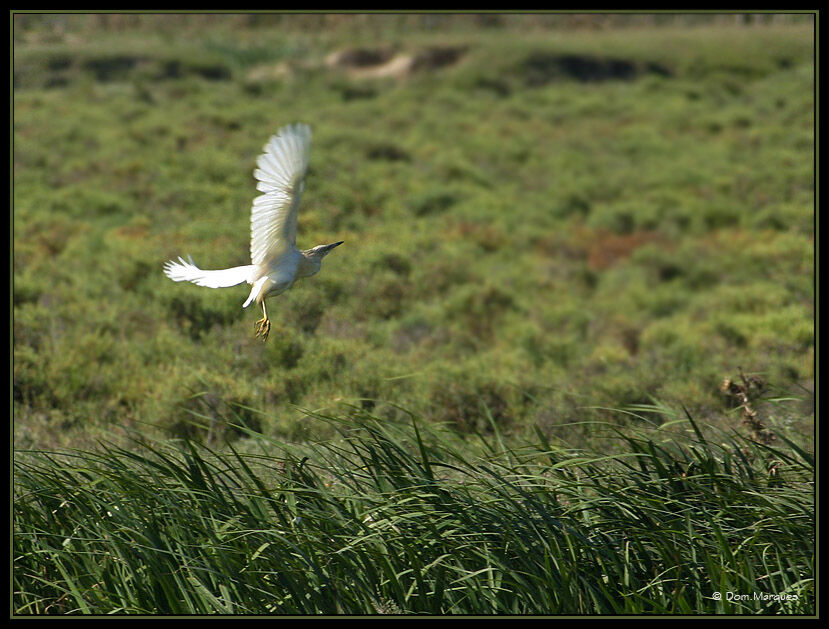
<point>276,263</point>
<point>280,174</point>
<point>258,285</point>
<point>187,271</point>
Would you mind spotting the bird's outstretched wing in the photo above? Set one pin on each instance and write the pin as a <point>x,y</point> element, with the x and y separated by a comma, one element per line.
<point>183,271</point>
<point>281,175</point>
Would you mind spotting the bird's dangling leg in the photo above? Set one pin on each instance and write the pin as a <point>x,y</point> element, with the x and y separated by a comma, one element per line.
<point>263,326</point>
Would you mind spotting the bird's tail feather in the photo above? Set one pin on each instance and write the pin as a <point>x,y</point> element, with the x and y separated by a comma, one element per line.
<point>182,271</point>
<point>255,290</point>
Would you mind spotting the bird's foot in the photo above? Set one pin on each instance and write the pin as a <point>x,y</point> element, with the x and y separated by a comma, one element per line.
<point>263,328</point>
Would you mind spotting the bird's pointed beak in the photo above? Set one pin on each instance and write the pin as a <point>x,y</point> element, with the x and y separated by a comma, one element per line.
<point>336,244</point>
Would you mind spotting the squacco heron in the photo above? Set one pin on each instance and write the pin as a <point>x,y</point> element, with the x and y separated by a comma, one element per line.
<point>276,263</point>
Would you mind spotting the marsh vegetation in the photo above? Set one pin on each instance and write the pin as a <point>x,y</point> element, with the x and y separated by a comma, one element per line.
<point>502,396</point>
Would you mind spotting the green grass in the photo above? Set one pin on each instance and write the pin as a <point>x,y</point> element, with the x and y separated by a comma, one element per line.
<point>404,518</point>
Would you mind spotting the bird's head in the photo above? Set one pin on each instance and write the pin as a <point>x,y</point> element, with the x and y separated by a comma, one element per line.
<point>320,251</point>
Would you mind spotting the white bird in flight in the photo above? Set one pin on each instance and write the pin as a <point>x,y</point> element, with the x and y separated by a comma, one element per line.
<point>276,263</point>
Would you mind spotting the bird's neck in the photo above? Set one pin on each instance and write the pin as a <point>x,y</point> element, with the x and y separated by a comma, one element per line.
<point>308,265</point>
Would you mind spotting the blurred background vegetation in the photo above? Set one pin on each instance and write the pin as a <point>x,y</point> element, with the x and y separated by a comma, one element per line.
<point>545,217</point>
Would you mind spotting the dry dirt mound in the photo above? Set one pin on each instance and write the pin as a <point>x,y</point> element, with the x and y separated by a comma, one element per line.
<point>385,62</point>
